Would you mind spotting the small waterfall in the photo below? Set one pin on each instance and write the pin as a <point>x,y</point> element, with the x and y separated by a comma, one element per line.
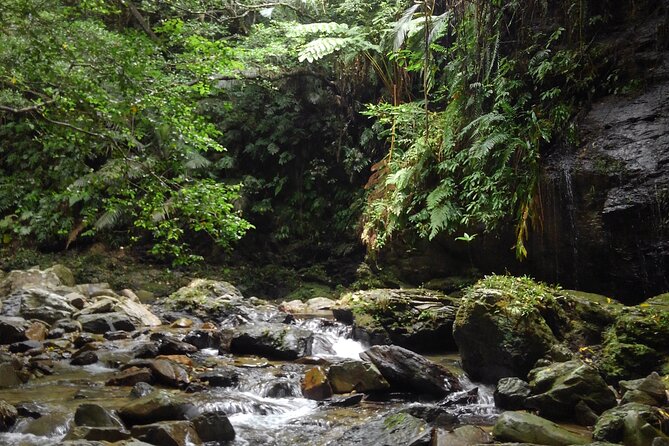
<point>570,204</point>
<point>332,339</point>
<point>482,410</point>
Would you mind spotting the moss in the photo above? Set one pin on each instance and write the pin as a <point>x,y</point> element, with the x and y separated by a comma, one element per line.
<point>620,360</point>
<point>394,420</point>
<point>309,290</point>
<point>523,293</point>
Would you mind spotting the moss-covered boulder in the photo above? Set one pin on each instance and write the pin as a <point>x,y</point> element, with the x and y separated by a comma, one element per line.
<point>417,319</point>
<point>636,343</point>
<point>631,424</point>
<point>500,327</point>
<point>396,429</point>
<point>523,427</point>
<point>271,340</point>
<point>558,388</point>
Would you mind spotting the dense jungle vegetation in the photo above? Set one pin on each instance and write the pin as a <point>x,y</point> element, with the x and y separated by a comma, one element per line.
<point>171,124</point>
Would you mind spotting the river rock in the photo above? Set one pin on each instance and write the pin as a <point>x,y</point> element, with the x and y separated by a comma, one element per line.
<point>204,296</point>
<point>461,436</point>
<point>171,346</point>
<point>632,424</point>
<point>315,384</point>
<point>559,387</point>
<point>272,340</point>
<point>494,340</point>
<point>511,393</point>
<point>8,415</point>
<point>8,376</point>
<point>12,329</point>
<point>395,429</point>
<point>130,377</point>
<point>408,371</point>
<point>159,405</point>
<point>416,319</point>
<point>106,434</point>
<point>94,415</point>
<point>650,390</point>
<point>221,377</point>
<point>202,338</point>
<point>169,373</point>
<point>347,376</point>
<point>37,331</point>
<point>523,427</point>
<point>33,277</point>
<point>42,304</point>
<point>25,346</point>
<point>102,323</point>
<point>213,426</point>
<point>168,433</point>
<point>84,358</point>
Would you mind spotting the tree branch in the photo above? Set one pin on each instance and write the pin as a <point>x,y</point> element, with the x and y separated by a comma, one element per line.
<point>140,19</point>
<point>25,109</point>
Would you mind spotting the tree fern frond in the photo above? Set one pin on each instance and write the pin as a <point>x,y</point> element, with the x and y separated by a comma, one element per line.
<point>438,26</point>
<point>321,47</point>
<point>195,160</point>
<point>109,219</point>
<point>403,26</point>
<point>319,28</point>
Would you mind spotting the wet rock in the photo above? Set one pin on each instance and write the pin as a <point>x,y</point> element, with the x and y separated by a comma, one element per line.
<point>83,339</point>
<point>130,377</point>
<point>558,388</point>
<point>12,329</point>
<point>22,347</point>
<point>141,389</point>
<point>31,409</point>
<point>8,415</point>
<point>102,323</point>
<point>84,358</point>
<point>182,322</point>
<point>461,436</point>
<point>650,390</point>
<point>42,304</point>
<point>396,429</point>
<point>213,426</point>
<point>77,300</point>
<point>36,331</point>
<point>632,424</point>
<point>272,340</point>
<point>52,424</point>
<point>116,335</point>
<point>94,415</point>
<point>33,277</point>
<point>167,433</point>
<point>169,373</point>
<point>204,296</point>
<point>408,371</point>
<point>221,377</point>
<point>146,350</point>
<point>160,405</point>
<point>170,346</point>
<point>416,319</point>
<point>204,338</point>
<point>346,376</point>
<point>8,376</point>
<point>106,434</point>
<point>523,427</point>
<point>511,393</point>
<point>496,342</point>
<point>347,400</point>
<point>315,385</point>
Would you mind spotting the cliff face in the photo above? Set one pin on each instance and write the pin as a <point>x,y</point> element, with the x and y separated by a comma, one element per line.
<point>606,200</point>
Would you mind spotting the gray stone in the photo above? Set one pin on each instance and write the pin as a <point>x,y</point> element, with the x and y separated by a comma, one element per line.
<point>396,429</point>
<point>409,371</point>
<point>8,376</point>
<point>632,424</point>
<point>106,434</point>
<point>524,427</point>
<point>12,329</point>
<point>559,387</point>
<point>157,406</point>
<point>8,415</point>
<point>102,323</point>
<point>167,433</point>
<point>94,415</point>
<point>511,393</point>
<point>347,376</point>
<point>42,304</point>
<point>461,436</point>
<point>213,426</point>
<point>272,340</point>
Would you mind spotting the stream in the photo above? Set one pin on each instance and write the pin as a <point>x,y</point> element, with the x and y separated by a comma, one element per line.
<point>265,407</point>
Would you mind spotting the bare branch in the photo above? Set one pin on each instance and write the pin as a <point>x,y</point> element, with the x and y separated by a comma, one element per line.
<point>28,109</point>
<point>141,20</point>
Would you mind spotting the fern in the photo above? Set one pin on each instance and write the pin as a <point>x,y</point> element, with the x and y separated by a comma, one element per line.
<point>319,28</point>
<point>195,160</point>
<point>109,219</point>
<point>321,47</point>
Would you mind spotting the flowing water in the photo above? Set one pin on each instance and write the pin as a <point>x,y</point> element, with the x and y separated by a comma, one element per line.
<point>266,406</point>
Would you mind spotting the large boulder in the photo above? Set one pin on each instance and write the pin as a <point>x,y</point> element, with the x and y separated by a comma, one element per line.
<point>649,390</point>
<point>396,429</point>
<point>511,393</point>
<point>558,388</point>
<point>34,277</point>
<point>94,415</point>
<point>159,405</point>
<point>632,424</point>
<point>501,331</point>
<point>101,323</point>
<point>12,329</point>
<point>203,295</point>
<point>349,375</point>
<point>167,433</point>
<point>315,384</point>
<point>272,340</point>
<point>8,415</point>
<point>417,319</point>
<point>213,426</point>
<point>408,371</point>
<point>38,303</point>
<point>523,427</point>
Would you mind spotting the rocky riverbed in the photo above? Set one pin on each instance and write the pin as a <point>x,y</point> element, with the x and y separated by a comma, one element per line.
<point>82,364</point>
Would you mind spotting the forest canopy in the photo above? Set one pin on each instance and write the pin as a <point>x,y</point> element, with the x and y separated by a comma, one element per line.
<point>160,122</point>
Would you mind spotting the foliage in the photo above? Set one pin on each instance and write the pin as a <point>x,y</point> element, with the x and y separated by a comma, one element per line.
<point>101,127</point>
<point>525,295</point>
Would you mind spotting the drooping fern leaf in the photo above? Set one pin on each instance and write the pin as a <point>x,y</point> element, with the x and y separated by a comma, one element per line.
<point>321,47</point>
